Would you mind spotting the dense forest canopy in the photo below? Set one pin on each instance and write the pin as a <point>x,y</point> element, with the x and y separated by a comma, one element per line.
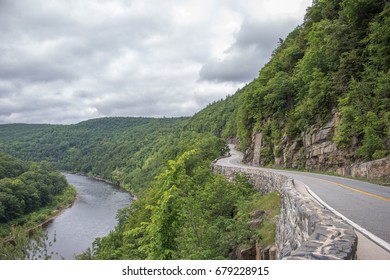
<point>335,66</point>
<point>167,164</point>
<point>117,149</point>
<point>26,187</point>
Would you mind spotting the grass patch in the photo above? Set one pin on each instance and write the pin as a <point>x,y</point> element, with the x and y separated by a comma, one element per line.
<point>269,207</point>
<point>270,203</point>
<point>267,232</point>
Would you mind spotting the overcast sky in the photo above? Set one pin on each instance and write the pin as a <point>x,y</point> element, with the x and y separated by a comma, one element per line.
<point>64,61</point>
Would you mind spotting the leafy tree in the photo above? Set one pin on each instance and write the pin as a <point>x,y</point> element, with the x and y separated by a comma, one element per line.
<point>335,64</point>
<point>25,245</point>
<point>31,187</point>
<point>358,13</point>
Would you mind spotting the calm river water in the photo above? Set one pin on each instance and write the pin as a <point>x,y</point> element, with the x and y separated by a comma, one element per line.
<point>91,216</point>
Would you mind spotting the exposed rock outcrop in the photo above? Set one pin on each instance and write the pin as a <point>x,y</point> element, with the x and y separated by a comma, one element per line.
<point>316,150</point>
<point>376,169</point>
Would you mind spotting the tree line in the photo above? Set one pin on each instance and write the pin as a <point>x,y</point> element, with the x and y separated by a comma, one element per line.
<point>181,204</point>
<point>26,188</point>
<point>335,63</point>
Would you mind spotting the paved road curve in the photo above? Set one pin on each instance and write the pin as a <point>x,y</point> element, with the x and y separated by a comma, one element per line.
<point>365,205</point>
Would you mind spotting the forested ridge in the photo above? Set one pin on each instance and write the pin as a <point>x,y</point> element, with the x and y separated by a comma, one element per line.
<point>335,66</point>
<point>117,149</point>
<point>332,70</point>
<point>181,204</point>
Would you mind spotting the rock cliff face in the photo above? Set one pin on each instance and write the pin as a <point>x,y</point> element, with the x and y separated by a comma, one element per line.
<point>376,169</point>
<point>315,150</point>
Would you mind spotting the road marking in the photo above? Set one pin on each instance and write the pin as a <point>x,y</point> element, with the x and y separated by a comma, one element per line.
<point>332,182</point>
<point>351,188</point>
<point>383,244</point>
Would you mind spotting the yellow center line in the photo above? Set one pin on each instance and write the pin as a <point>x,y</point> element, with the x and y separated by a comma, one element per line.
<point>352,189</point>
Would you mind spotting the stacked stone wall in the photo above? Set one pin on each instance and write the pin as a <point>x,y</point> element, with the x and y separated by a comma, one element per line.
<point>305,229</point>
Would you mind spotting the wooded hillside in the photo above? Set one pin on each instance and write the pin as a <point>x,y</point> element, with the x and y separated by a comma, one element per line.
<point>322,101</point>
<point>326,86</point>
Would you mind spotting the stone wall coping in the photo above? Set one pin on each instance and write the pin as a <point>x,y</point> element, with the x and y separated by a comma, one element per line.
<point>305,229</point>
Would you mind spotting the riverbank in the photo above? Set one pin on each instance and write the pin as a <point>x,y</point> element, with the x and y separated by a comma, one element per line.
<point>93,215</point>
<point>41,217</point>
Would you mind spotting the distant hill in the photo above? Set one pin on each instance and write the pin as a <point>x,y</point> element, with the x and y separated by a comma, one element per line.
<point>321,102</point>
<point>104,147</point>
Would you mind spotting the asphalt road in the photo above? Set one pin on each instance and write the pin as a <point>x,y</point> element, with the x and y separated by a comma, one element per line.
<point>364,205</point>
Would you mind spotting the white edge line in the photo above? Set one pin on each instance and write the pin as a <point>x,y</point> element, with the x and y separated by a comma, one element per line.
<point>365,232</point>
<point>373,237</point>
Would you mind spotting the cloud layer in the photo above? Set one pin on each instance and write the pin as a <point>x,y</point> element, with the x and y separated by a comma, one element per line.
<point>65,61</point>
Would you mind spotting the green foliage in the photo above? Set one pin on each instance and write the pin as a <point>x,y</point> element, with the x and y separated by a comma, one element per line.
<point>10,166</point>
<point>30,194</point>
<point>278,95</point>
<point>336,62</point>
<point>190,213</point>
<point>322,10</point>
<point>264,234</point>
<point>358,13</point>
<point>372,146</point>
<point>122,150</point>
<point>218,118</point>
<point>379,40</point>
<point>26,245</point>
<point>174,208</point>
<point>365,115</point>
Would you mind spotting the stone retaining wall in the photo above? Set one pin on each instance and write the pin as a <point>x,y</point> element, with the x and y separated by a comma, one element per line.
<point>305,229</point>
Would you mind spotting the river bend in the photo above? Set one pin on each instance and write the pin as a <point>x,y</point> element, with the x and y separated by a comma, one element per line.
<point>92,215</point>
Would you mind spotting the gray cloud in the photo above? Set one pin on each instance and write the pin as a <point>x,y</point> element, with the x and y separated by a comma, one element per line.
<point>65,61</point>
<point>253,45</point>
<point>34,71</point>
<point>237,67</point>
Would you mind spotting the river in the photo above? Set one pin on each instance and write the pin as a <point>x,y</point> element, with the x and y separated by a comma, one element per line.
<point>92,215</point>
